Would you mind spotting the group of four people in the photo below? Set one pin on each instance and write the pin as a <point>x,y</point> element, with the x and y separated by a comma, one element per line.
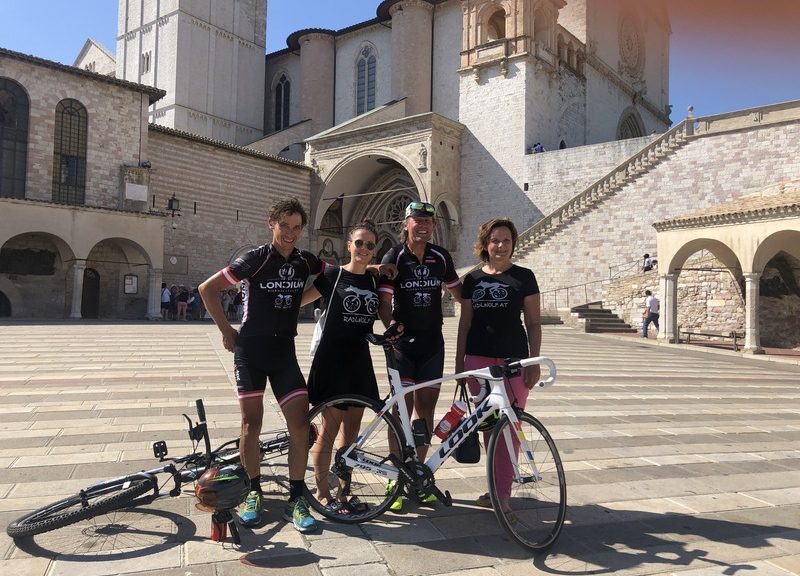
<point>408,292</point>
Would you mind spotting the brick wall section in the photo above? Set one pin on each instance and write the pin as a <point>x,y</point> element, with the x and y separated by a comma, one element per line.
<point>706,171</point>
<point>221,181</point>
<point>113,135</point>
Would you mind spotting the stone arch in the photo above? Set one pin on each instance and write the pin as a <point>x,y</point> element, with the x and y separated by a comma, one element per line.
<point>112,258</point>
<point>630,124</point>
<point>785,240</point>
<point>35,268</point>
<point>340,180</point>
<point>494,26</point>
<point>721,251</point>
<point>387,210</point>
<point>543,27</point>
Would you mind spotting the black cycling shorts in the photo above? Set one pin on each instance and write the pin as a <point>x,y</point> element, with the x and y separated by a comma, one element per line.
<point>422,359</point>
<point>341,367</point>
<point>257,358</point>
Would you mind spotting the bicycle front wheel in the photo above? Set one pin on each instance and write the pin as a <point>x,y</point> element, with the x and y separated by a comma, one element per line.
<point>528,490</point>
<point>335,490</point>
<point>78,507</point>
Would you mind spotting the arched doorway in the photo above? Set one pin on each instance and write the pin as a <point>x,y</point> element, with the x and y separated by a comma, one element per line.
<point>5,306</point>
<point>90,299</point>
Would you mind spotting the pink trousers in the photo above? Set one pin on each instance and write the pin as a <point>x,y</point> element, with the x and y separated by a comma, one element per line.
<point>516,390</point>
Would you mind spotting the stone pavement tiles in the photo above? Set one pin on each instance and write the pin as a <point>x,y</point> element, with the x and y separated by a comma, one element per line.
<point>677,462</point>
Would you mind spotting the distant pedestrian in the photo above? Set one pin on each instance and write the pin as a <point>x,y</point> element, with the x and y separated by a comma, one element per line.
<point>648,263</point>
<point>652,308</point>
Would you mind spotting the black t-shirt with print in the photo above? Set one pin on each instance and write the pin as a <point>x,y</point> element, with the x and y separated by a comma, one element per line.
<point>497,301</point>
<point>353,309</point>
<point>417,288</point>
<point>272,287</point>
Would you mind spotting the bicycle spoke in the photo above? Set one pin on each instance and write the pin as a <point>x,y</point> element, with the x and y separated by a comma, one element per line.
<point>527,487</point>
<point>340,492</point>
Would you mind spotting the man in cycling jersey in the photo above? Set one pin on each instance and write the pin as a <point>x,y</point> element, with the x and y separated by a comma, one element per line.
<point>414,298</point>
<point>273,279</point>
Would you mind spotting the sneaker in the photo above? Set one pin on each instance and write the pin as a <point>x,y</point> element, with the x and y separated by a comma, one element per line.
<point>297,513</point>
<point>397,505</point>
<point>250,514</point>
<point>427,498</point>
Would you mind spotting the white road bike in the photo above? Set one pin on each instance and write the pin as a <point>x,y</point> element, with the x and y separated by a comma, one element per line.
<point>358,462</point>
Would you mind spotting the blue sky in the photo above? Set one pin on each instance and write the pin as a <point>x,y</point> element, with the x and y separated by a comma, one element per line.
<point>725,54</point>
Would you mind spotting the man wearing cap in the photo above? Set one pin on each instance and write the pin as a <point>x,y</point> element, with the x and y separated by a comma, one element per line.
<point>414,298</point>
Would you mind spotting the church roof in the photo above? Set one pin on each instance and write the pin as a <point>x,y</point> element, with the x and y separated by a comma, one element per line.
<point>775,201</point>
<point>154,93</point>
<point>225,145</point>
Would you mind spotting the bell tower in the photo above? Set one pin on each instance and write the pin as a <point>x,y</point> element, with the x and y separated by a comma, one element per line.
<point>207,56</point>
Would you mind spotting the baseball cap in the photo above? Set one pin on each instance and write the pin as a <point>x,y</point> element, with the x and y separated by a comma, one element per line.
<point>420,209</point>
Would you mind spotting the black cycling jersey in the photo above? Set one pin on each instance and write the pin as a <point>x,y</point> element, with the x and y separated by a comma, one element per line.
<point>497,301</point>
<point>417,288</point>
<point>272,287</point>
<point>354,307</point>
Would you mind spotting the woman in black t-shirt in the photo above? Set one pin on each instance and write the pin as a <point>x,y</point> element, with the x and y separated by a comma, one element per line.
<point>352,296</point>
<point>490,329</point>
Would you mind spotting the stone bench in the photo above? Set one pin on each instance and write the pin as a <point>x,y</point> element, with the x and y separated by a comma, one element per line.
<point>732,335</point>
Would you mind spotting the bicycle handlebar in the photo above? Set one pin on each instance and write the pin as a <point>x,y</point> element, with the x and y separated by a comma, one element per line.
<point>551,368</point>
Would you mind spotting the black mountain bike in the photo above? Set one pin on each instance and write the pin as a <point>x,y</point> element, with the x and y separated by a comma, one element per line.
<point>143,487</point>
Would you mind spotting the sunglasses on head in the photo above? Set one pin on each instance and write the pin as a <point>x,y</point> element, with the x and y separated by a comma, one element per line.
<point>361,243</point>
<point>422,206</point>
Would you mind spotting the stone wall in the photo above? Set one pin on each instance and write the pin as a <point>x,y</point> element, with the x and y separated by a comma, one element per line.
<point>556,176</point>
<point>224,193</point>
<point>704,172</point>
<point>709,297</point>
<point>114,134</point>
<point>43,295</point>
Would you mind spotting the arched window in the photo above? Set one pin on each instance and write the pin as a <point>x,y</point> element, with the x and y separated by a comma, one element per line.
<point>282,98</point>
<point>496,26</point>
<point>69,153</point>
<point>365,80</point>
<point>630,125</point>
<point>14,112</point>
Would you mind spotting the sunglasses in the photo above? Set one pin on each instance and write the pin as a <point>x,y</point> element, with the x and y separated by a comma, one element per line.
<point>422,206</point>
<point>361,243</point>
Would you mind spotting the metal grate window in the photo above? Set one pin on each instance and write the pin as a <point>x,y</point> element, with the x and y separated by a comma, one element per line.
<point>14,112</point>
<point>69,156</point>
<point>366,77</point>
<point>282,99</point>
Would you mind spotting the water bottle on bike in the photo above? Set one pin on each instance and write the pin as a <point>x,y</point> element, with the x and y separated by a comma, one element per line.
<point>451,419</point>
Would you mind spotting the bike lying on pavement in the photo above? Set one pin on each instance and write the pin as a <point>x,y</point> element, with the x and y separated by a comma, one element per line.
<point>367,467</point>
<point>143,487</point>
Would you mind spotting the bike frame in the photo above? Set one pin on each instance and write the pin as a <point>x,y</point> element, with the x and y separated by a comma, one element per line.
<point>496,399</point>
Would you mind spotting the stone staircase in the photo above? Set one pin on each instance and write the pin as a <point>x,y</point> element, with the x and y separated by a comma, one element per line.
<point>592,317</point>
<point>640,163</point>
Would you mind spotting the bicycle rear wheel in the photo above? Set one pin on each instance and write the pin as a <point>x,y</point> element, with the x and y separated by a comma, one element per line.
<point>350,495</point>
<point>78,507</point>
<point>528,491</point>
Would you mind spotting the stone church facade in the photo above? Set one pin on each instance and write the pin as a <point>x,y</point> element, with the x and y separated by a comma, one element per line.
<point>502,75</point>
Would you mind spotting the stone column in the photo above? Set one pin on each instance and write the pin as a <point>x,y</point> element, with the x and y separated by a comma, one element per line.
<point>154,294</point>
<point>411,54</point>
<point>752,336</point>
<point>669,308</point>
<point>78,267</point>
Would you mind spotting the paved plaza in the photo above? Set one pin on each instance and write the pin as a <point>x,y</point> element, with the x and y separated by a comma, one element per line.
<point>678,461</point>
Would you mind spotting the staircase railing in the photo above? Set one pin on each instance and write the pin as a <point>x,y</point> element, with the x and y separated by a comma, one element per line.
<point>604,187</point>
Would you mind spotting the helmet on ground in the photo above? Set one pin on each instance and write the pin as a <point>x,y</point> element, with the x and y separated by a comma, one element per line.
<point>222,487</point>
